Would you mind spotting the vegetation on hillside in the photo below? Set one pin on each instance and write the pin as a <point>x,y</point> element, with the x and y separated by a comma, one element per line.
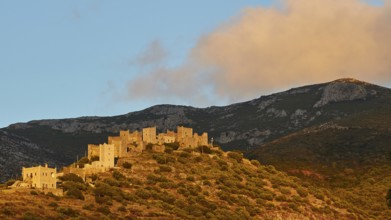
<point>182,184</point>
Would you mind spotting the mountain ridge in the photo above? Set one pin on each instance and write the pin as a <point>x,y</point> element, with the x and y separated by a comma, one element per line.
<point>240,126</point>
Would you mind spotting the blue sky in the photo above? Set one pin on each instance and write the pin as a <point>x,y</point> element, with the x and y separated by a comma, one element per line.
<point>58,57</point>
<point>61,59</point>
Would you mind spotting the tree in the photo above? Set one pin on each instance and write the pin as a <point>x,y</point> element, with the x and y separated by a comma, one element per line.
<point>388,198</point>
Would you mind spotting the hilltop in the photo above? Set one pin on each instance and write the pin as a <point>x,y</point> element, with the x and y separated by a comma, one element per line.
<point>242,126</point>
<point>181,184</point>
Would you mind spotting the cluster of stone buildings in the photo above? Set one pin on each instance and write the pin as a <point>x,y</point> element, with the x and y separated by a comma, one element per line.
<point>128,143</point>
<point>103,156</point>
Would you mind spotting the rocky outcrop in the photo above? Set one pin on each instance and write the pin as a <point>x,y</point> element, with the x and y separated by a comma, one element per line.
<point>341,91</point>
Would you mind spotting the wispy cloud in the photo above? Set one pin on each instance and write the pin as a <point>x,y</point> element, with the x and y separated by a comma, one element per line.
<point>153,54</point>
<point>268,49</point>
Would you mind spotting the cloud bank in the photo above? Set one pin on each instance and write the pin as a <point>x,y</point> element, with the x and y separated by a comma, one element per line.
<point>264,50</point>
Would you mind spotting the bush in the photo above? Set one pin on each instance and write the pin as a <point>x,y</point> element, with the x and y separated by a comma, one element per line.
<point>302,192</point>
<point>153,179</point>
<point>94,177</point>
<point>75,193</point>
<point>6,211</point>
<point>88,207</point>
<point>127,165</point>
<point>163,158</point>
<point>163,168</point>
<point>53,204</point>
<point>236,156</point>
<point>30,216</point>
<point>388,198</point>
<point>204,149</point>
<point>198,159</point>
<point>122,209</point>
<point>34,193</point>
<point>104,210</point>
<point>143,194</point>
<point>112,182</point>
<point>68,211</point>
<point>118,176</point>
<point>82,161</point>
<point>104,191</point>
<point>190,178</point>
<point>10,182</point>
<point>207,183</point>
<point>71,177</point>
<point>168,150</point>
<point>149,147</point>
<point>73,185</point>
<point>255,163</point>
<point>173,146</point>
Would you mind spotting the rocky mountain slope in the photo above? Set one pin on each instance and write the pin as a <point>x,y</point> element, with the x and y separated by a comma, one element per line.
<point>240,126</point>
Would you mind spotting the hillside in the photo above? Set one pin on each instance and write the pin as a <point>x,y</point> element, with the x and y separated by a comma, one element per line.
<point>183,184</point>
<point>349,156</point>
<point>241,126</point>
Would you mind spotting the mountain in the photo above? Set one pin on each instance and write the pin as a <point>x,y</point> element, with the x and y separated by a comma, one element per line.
<point>241,126</point>
<point>180,184</point>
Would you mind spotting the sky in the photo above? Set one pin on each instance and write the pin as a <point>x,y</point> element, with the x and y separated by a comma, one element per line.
<point>63,59</point>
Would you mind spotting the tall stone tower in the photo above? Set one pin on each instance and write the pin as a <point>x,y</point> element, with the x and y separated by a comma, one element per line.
<point>106,155</point>
<point>149,135</point>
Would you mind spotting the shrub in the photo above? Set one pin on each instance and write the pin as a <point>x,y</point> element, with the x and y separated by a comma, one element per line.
<point>53,204</point>
<point>73,185</point>
<point>190,178</point>
<point>112,182</point>
<point>173,146</point>
<point>185,154</point>
<point>149,147</point>
<point>6,211</point>
<point>163,168</point>
<point>94,177</point>
<point>154,178</point>
<point>71,177</point>
<point>118,176</point>
<point>68,211</point>
<point>165,197</point>
<point>302,192</point>
<point>103,191</point>
<point>30,216</point>
<point>82,161</point>
<point>33,193</point>
<point>10,182</point>
<point>285,191</point>
<point>204,149</point>
<point>236,156</point>
<point>75,193</point>
<point>122,209</point>
<point>198,159</point>
<point>163,158</point>
<point>104,210</point>
<point>167,185</point>
<point>127,165</point>
<point>182,160</point>
<point>255,163</point>
<point>88,207</point>
<point>168,150</point>
<point>143,194</point>
<point>207,183</point>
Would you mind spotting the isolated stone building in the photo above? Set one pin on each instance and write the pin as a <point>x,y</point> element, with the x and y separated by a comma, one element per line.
<point>42,177</point>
